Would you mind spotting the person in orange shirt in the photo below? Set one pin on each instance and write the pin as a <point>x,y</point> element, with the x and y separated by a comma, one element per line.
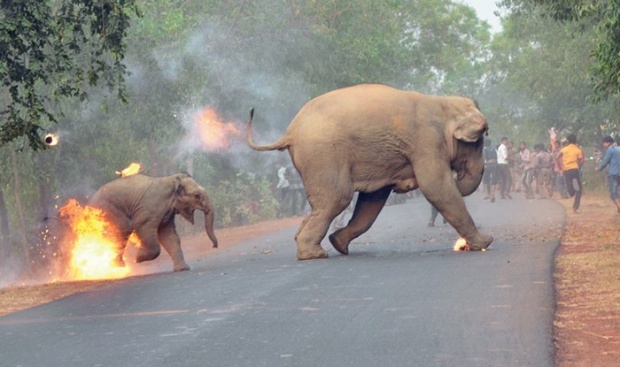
<point>571,159</point>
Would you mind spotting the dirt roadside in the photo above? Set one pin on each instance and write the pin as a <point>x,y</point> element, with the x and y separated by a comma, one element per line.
<point>587,275</point>
<point>587,285</point>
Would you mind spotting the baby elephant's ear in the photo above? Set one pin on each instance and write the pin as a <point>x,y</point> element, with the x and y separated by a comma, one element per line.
<point>179,187</point>
<point>182,204</point>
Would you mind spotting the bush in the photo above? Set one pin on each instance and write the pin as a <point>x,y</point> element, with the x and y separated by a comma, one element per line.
<point>244,199</point>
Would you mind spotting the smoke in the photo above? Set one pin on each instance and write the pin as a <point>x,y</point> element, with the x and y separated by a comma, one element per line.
<point>231,78</point>
<point>11,268</point>
<point>217,66</point>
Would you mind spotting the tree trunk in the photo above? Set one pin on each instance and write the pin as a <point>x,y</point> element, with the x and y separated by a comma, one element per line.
<point>4,216</point>
<point>19,207</point>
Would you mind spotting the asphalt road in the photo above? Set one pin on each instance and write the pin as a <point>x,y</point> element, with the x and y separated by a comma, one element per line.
<point>401,298</point>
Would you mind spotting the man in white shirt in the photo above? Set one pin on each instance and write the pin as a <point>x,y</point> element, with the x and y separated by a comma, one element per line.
<point>503,169</point>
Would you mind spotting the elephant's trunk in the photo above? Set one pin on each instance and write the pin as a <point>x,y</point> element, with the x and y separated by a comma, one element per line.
<point>468,183</point>
<point>469,166</point>
<point>209,220</point>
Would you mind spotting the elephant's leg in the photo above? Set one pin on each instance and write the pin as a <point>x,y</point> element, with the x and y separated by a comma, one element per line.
<point>438,186</point>
<point>314,227</point>
<point>301,227</point>
<point>366,211</point>
<point>119,231</point>
<point>149,242</point>
<point>121,243</point>
<point>169,239</point>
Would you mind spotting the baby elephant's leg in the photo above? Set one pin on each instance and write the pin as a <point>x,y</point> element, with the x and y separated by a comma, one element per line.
<point>171,242</point>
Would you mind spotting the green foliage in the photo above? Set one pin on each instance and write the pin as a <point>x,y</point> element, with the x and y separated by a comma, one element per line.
<point>244,199</point>
<point>606,69</point>
<point>50,51</point>
<point>538,78</point>
<point>601,16</point>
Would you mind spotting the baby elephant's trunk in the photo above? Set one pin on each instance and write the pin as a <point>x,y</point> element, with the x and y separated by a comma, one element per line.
<point>209,220</point>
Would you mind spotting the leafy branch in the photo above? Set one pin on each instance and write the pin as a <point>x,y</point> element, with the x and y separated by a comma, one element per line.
<point>50,51</point>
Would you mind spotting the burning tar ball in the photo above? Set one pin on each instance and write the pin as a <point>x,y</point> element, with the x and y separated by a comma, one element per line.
<point>51,139</point>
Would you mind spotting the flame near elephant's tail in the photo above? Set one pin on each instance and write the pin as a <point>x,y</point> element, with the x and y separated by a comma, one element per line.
<point>281,144</point>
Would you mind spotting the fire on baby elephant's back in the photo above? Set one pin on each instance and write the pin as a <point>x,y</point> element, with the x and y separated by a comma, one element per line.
<point>374,139</point>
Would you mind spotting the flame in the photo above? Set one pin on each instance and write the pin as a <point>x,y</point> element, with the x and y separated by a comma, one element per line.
<point>51,139</point>
<point>461,245</point>
<point>92,254</point>
<point>132,169</point>
<point>213,133</point>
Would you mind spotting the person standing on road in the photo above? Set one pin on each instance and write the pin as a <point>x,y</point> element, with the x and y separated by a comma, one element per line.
<point>434,213</point>
<point>489,177</point>
<point>554,148</point>
<point>526,167</point>
<point>541,167</point>
<point>283,187</point>
<point>503,169</point>
<point>514,162</point>
<point>571,158</point>
<point>611,159</point>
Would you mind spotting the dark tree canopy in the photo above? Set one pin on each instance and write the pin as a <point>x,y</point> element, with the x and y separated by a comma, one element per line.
<point>53,50</point>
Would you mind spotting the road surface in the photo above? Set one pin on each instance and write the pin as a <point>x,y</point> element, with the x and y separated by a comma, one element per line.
<point>401,298</point>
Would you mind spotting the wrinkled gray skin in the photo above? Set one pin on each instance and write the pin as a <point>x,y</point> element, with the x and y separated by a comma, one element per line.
<point>375,139</point>
<point>148,205</point>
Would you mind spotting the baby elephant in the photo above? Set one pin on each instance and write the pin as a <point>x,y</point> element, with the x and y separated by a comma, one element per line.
<point>148,205</point>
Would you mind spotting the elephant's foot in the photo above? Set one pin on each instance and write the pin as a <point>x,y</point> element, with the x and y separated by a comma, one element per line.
<point>480,242</point>
<point>181,267</point>
<point>340,244</point>
<point>311,253</point>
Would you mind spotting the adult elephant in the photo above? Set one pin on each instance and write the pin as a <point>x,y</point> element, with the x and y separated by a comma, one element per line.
<point>375,139</point>
<point>148,205</point>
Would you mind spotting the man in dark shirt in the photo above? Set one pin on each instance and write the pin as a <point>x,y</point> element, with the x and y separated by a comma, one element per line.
<point>489,178</point>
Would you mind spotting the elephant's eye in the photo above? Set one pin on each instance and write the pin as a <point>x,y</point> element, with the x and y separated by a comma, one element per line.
<point>197,196</point>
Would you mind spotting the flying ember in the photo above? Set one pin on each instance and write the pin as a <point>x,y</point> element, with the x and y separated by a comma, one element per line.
<point>92,254</point>
<point>214,133</point>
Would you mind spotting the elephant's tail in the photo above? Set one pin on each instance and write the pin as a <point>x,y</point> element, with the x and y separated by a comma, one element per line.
<point>281,144</point>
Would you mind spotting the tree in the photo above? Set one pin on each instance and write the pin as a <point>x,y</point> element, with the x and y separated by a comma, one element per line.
<point>539,78</point>
<point>603,17</point>
<point>52,50</point>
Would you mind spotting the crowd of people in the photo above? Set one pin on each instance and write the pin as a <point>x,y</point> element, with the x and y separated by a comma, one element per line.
<point>537,173</point>
<point>546,170</point>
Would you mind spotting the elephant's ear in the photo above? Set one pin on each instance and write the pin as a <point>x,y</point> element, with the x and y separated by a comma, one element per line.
<point>182,206</point>
<point>470,126</point>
